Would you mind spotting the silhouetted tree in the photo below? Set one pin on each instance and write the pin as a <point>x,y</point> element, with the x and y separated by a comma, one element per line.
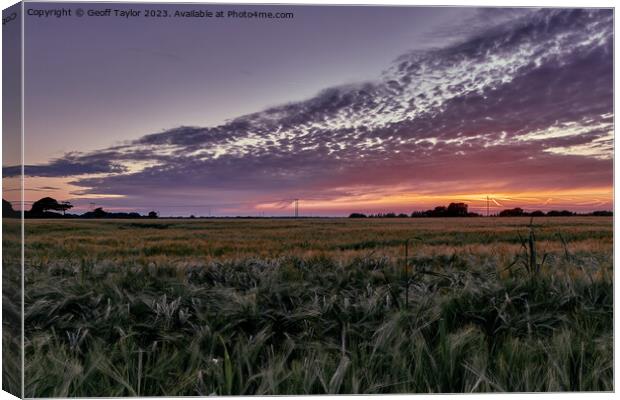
<point>513,212</point>
<point>64,206</point>
<point>153,214</point>
<point>99,213</point>
<point>537,213</point>
<point>457,210</point>
<point>603,213</point>
<point>402,215</point>
<point>45,204</point>
<point>453,210</point>
<point>556,213</point>
<point>357,215</point>
<point>440,211</point>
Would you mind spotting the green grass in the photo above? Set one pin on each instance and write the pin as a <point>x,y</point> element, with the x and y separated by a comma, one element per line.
<point>310,307</point>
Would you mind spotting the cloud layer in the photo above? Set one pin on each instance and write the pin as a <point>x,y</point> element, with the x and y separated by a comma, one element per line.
<point>523,106</point>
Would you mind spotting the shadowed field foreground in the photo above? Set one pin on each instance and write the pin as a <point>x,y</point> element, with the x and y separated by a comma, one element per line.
<point>177,307</point>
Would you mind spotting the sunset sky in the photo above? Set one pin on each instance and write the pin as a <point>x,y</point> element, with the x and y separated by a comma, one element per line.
<point>349,109</point>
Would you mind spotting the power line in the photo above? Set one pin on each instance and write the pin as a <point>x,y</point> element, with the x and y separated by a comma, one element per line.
<point>487,206</point>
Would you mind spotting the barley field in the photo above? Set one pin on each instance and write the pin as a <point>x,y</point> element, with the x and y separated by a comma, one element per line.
<point>313,306</point>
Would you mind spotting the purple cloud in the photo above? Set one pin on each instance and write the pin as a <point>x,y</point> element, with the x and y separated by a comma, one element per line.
<point>526,104</point>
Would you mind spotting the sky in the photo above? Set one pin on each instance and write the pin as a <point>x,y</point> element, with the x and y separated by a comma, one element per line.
<point>349,109</point>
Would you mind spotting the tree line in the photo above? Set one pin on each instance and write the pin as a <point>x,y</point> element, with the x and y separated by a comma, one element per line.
<point>461,210</point>
<point>48,207</point>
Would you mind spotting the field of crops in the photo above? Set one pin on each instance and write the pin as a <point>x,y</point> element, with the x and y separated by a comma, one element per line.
<point>302,306</point>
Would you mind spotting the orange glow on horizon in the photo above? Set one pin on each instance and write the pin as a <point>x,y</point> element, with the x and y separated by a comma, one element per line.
<point>573,199</point>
